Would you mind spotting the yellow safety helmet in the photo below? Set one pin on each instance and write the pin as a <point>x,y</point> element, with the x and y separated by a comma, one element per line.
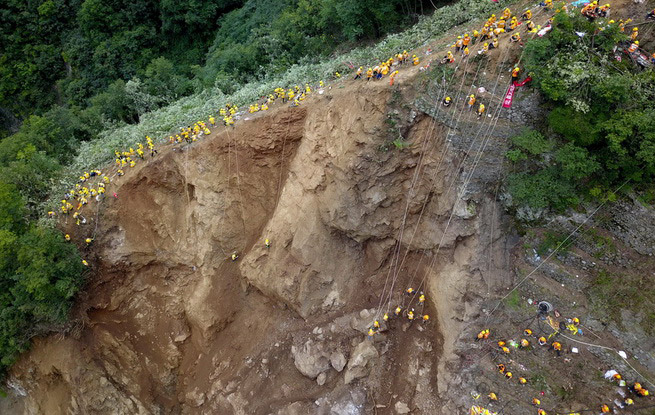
<point>634,29</point>
<point>611,21</point>
<point>466,35</point>
<point>636,42</point>
<point>459,37</point>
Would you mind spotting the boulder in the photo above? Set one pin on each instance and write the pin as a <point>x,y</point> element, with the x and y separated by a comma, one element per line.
<point>311,359</point>
<point>361,360</point>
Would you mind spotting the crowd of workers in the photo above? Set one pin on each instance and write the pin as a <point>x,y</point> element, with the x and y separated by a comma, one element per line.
<point>528,338</point>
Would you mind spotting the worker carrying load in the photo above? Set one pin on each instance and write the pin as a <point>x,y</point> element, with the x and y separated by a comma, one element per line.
<point>634,46</point>
<point>458,44</point>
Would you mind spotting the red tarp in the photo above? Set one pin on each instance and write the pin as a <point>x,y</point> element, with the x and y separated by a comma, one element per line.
<point>509,96</point>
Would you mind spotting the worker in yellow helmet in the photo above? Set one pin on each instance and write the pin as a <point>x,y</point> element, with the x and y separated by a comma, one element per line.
<point>376,324</point>
<point>527,15</point>
<point>410,315</point>
<point>523,380</point>
<point>385,317</point>
<point>493,396</point>
<point>481,110</point>
<point>634,34</point>
<point>67,237</point>
<point>397,311</point>
<point>86,264</point>
<point>515,73</point>
<point>421,299</point>
<point>426,318</point>
<point>267,243</point>
<point>536,402</point>
<point>234,256</point>
<point>524,343</point>
<point>446,101</point>
<point>88,240</point>
<point>415,60</point>
<point>471,101</point>
<point>605,409</point>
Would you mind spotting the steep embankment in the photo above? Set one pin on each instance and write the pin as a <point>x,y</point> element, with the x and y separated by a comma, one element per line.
<point>168,324</point>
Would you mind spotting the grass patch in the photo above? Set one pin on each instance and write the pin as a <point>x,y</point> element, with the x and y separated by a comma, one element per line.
<point>553,240</point>
<point>514,300</point>
<point>610,293</point>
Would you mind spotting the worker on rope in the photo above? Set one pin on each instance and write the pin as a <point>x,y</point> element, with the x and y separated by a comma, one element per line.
<point>421,299</point>
<point>481,110</point>
<point>471,101</point>
<point>484,49</point>
<point>527,15</point>
<point>466,40</point>
<point>484,32</point>
<point>515,73</point>
<point>369,74</point>
<point>634,34</point>
<point>494,43</point>
<point>483,335</point>
<point>358,74</point>
<point>410,315</point>
<point>651,14</point>
<point>385,317</point>
<point>446,102</point>
<point>516,37</point>
<point>476,36</point>
<point>371,333</point>
<point>409,291</point>
<point>397,311</point>
<point>507,13</point>
<point>392,76</point>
